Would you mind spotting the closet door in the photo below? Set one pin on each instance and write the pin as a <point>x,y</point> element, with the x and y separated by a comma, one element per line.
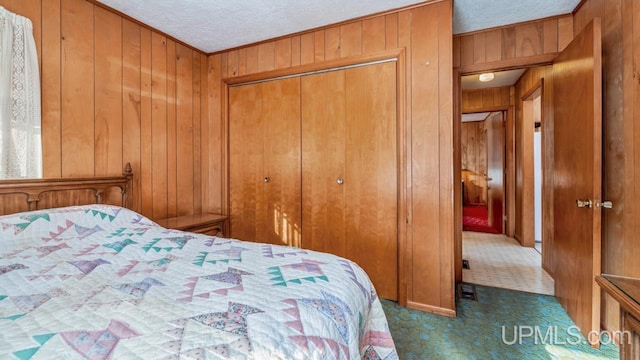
<point>323,142</point>
<point>349,169</point>
<point>281,121</point>
<point>371,176</point>
<point>264,161</point>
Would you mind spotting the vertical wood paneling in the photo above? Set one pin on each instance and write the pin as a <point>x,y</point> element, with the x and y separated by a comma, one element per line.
<point>565,32</point>
<point>109,97</point>
<point>242,61</point>
<point>351,39</point>
<point>108,87</point>
<point>159,124</point>
<point>493,45</point>
<point>216,152</point>
<point>266,59</point>
<point>252,60</point>
<point>146,206</point>
<point>373,34</point>
<point>77,88</point>
<point>332,43</point>
<point>204,132</point>
<point>529,39</point>
<point>550,36</point>
<point>307,48</point>
<point>172,155</point>
<point>51,89</point>
<point>318,38</point>
<point>197,135</point>
<point>295,51</point>
<point>184,72</point>
<point>508,43</point>
<point>425,155</point>
<point>232,63</point>
<point>131,116</point>
<point>466,50</point>
<point>479,48</point>
<point>282,51</point>
<point>391,31</point>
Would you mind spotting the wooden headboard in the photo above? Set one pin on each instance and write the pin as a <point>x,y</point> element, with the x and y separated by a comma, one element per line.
<point>35,194</point>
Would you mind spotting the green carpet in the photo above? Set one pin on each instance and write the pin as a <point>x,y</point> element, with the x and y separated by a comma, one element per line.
<point>477,332</point>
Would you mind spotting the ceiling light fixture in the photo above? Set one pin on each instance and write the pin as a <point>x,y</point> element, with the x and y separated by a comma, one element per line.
<point>486,77</point>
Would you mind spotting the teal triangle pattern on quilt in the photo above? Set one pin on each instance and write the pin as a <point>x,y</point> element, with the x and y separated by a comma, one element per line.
<point>27,354</point>
<point>13,317</point>
<point>2,297</point>
<point>102,214</point>
<point>42,339</point>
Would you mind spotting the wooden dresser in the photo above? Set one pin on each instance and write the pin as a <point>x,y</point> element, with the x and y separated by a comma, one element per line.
<point>208,224</point>
<point>625,291</point>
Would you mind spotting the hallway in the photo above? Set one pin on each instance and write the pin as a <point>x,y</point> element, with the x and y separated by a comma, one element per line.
<point>499,261</point>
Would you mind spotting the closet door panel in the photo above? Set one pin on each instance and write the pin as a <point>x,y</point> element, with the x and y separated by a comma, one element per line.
<point>323,142</point>
<point>281,120</point>
<point>246,163</point>
<point>370,181</point>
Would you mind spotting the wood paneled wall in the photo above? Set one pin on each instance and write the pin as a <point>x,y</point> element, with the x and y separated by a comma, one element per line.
<point>621,138</point>
<point>486,99</point>
<point>426,34</point>
<point>474,162</point>
<point>515,45</point>
<point>530,79</point>
<point>115,92</point>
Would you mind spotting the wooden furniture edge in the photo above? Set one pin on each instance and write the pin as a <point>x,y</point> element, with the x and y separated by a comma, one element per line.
<point>623,299</point>
<point>34,188</point>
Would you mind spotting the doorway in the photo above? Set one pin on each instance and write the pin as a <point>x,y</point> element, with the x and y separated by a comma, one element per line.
<point>482,139</point>
<point>502,258</point>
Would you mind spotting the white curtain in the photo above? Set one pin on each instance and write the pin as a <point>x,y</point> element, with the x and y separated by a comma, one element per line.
<point>20,131</point>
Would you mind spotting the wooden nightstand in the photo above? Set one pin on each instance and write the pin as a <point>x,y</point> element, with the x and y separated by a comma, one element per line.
<point>208,224</point>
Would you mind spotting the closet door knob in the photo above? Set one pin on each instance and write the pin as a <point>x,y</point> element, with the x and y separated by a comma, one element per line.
<point>266,179</point>
<point>340,181</point>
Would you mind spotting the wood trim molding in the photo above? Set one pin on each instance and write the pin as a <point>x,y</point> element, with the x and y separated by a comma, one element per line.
<point>510,64</point>
<point>325,65</point>
<point>432,309</point>
<point>538,86</point>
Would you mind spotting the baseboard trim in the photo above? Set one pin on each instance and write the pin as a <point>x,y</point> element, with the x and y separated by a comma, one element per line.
<point>431,309</point>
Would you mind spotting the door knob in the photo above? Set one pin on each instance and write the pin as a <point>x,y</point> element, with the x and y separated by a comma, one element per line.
<point>340,181</point>
<point>605,204</point>
<point>583,203</point>
<point>267,179</point>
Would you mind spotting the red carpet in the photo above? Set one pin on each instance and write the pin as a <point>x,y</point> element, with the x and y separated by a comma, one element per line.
<point>475,218</point>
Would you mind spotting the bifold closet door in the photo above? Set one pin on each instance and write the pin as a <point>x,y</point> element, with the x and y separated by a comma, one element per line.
<point>323,154</point>
<point>264,161</point>
<point>349,169</point>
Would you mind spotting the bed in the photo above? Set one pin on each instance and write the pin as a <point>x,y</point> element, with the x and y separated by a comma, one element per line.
<point>99,281</point>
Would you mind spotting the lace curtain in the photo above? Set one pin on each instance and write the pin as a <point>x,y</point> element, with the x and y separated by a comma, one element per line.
<point>20,134</point>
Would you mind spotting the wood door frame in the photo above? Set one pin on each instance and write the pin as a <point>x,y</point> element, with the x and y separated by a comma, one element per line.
<point>403,133</point>
<point>528,191</point>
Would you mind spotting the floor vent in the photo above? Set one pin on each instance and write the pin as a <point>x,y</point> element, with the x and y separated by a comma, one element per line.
<point>465,264</point>
<point>467,291</point>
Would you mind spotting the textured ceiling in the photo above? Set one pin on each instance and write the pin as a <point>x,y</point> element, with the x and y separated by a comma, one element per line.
<point>214,25</point>
<point>472,15</point>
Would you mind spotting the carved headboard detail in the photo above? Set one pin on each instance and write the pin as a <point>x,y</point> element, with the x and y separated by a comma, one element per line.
<point>35,194</point>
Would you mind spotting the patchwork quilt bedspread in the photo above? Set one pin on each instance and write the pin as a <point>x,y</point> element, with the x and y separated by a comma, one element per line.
<point>98,282</point>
